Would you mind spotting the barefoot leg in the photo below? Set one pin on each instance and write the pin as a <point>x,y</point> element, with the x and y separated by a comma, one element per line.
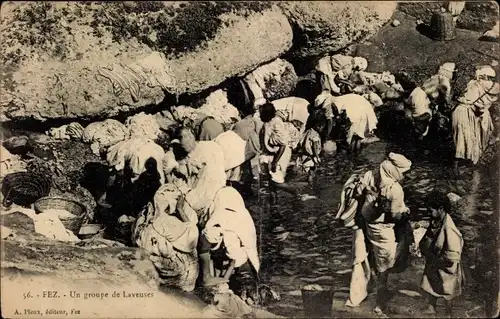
<point>381,289</point>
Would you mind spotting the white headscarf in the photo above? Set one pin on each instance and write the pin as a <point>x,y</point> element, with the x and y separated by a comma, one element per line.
<point>392,169</point>
<point>447,69</point>
<point>165,199</point>
<point>360,63</point>
<point>325,99</point>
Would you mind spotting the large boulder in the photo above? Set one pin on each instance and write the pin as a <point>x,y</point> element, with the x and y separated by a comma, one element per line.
<point>69,60</point>
<point>322,27</point>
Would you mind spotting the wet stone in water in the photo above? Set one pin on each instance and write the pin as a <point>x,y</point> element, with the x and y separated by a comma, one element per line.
<point>344,271</point>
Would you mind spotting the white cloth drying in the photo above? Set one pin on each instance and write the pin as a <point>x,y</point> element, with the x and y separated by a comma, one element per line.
<point>143,125</point>
<point>136,151</point>
<point>104,134</point>
<point>47,224</point>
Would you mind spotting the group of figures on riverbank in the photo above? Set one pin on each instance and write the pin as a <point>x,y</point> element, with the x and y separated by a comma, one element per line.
<point>185,198</point>
<point>180,193</point>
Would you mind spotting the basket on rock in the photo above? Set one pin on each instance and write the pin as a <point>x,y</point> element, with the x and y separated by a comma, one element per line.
<point>23,188</point>
<point>443,27</point>
<point>71,213</point>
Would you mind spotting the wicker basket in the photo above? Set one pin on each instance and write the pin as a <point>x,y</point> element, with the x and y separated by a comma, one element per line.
<point>74,223</point>
<point>24,188</point>
<point>443,27</point>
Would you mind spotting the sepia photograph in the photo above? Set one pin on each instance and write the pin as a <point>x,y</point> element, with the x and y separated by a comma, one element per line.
<point>249,159</point>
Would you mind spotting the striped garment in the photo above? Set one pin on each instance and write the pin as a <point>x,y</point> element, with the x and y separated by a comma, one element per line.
<point>123,78</point>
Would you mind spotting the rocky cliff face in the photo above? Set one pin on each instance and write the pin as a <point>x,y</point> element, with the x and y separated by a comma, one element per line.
<point>85,65</point>
<point>95,60</point>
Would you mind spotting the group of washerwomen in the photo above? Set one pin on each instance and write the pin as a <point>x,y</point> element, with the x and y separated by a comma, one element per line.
<point>186,207</point>
<point>430,103</point>
<point>188,215</point>
<point>373,206</point>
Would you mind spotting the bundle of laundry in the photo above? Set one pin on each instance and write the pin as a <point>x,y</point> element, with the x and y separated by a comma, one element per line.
<point>73,131</point>
<point>383,84</point>
<point>182,113</point>
<point>338,66</point>
<point>165,120</point>
<point>143,125</point>
<point>136,151</point>
<point>218,107</point>
<point>350,199</point>
<point>49,224</point>
<point>272,81</point>
<point>103,134</point>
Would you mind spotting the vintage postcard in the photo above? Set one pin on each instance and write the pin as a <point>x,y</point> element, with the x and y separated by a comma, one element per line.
<point>249,159</point>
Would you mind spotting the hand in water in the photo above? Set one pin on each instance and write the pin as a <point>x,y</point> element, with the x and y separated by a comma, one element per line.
<point>378,311</point>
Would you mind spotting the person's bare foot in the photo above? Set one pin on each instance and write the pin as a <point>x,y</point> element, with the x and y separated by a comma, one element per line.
<point>210,281</point>
<point>379,313</point>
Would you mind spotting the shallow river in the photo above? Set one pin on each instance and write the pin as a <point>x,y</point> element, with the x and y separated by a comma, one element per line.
<point>300,245</point>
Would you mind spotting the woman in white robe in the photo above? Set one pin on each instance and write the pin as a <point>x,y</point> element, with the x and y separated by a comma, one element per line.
<point>471,119</point>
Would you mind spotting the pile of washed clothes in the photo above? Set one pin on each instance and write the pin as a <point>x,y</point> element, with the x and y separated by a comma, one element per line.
<point>103,134</point>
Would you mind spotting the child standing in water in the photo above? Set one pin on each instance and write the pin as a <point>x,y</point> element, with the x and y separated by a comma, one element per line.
<point>442,247</point>
<point>310,146</point>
